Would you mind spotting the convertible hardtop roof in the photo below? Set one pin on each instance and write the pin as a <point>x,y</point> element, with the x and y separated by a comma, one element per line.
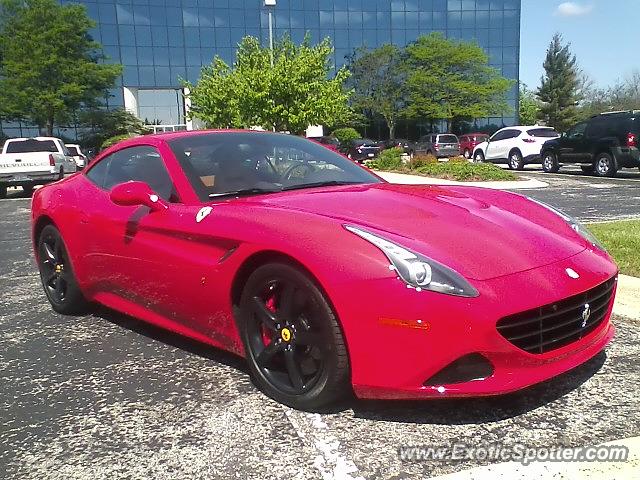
<point>190,133</point>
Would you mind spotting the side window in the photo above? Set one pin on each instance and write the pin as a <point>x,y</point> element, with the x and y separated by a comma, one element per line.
<point>143,164</point>
<point>578,130</point>
<point>499,136</point>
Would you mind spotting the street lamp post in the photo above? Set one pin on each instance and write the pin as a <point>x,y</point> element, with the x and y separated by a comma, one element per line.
<point>270,4</point>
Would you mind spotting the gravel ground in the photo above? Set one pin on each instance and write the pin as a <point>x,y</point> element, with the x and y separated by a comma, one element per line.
<point>104,396</point>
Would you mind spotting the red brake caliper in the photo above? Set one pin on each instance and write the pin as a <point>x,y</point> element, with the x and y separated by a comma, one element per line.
<point>267,335</point>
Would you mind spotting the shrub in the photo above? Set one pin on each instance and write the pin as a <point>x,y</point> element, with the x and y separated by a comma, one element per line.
<point>458,159</point>
<point>421,160</point>
<point>389,159</point>
<point>345,135</point>
<point>466,172</point>
<point>113,140</point>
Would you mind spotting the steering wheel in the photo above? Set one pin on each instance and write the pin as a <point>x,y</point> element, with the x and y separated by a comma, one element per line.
<point>304,168</point>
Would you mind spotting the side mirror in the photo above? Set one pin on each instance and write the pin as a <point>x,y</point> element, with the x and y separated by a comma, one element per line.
<point>137,193</point>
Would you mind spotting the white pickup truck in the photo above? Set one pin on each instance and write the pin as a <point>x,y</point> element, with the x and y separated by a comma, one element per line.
<point>27,162</point>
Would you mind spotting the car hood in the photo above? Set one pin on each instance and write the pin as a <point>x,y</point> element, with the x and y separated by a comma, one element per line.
<point>480,233</point>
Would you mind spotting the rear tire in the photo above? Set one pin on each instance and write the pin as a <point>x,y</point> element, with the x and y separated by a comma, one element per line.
<point>516,162</point>
<point>550,162</point>
<point>605,165</point>
<point>293,342</point>
<point>61,176</point>
<point>28,189</point>
<point>56,273</point>
<point>467,153</point>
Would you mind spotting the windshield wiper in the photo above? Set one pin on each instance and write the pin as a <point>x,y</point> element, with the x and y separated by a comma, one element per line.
<point>245,191</point>
<point>329,183</point>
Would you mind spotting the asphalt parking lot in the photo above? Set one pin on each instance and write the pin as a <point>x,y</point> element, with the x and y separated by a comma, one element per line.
<point>105,396</point>
<point>587,197</point>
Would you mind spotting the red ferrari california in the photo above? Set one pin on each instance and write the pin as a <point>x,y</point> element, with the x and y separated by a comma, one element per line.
<point>322,275</point>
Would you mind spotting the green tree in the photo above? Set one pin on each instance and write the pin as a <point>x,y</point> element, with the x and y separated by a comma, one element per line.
<point>50,64</point>
<point>379,84</point>
<point>100,124</point>
<point>452,80</point>
<point>528,107</point>
<point>345,135</point>
<point>293,94</point>
<point>559,90</point>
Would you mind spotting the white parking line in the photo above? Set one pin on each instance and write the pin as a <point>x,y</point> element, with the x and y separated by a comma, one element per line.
<point>331,461</point>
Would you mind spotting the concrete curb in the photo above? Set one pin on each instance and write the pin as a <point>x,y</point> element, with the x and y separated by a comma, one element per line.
<point>406,179</point>
<point>629,470</point>
<point>628,297</point>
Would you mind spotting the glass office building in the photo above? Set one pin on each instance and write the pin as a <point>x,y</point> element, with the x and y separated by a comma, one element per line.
<point>161,41</point>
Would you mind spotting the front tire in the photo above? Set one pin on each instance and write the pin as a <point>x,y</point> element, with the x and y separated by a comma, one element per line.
<point>56,273</point>
<point>293,343</point>
<point>605,165</point>
<point>516,162</point>
<point>550,162</point>
<point>478,157</point>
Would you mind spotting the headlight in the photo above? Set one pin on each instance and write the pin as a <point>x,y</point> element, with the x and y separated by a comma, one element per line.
<point>418,271</point>
<point>573,223</point>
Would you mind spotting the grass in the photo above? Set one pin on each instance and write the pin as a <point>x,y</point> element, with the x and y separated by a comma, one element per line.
<point>622,240</point>
<point>457,168</point>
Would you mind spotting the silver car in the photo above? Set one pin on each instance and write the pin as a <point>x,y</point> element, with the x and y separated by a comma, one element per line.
<point>439,145</point>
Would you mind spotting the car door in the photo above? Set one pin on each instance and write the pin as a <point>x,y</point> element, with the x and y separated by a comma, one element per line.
<point>572,145</point>
<point>496,146</point>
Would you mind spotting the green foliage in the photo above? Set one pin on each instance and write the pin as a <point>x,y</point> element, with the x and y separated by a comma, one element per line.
<point>529,107</point>
<point>100,125</point>
<point>293,94</point>
<point>115,139</point>
<point>389,159</point>
<point>49,65</point>
<point>379,83</point>
<point>345,135</point>
<point>466,171</point>
<point>558,92</point>
<point>623,243</point>
<point>452,80</point>
<point>421,160</point>
<point>623,95</point>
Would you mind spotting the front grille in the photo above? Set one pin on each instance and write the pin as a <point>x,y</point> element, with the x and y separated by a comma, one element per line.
<point>553,326</point>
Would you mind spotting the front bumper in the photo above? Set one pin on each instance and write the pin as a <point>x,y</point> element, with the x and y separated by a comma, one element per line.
<point>399,338</point>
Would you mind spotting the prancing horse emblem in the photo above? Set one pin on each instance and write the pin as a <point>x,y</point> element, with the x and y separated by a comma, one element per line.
<point>586,313</point>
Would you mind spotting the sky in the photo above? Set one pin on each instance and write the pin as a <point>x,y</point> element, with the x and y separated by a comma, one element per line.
<point>604,36</point>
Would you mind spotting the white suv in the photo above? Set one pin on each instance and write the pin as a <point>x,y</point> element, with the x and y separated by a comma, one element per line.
<point>515,146</point>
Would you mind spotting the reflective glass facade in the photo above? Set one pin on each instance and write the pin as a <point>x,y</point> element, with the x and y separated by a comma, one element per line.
<point>160,41</point>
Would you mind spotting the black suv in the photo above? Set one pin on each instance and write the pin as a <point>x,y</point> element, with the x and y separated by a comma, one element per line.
<point>601,145</point>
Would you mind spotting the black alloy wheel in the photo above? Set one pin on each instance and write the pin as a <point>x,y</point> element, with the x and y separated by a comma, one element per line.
<point>57,275</point>
<point>293,342</point>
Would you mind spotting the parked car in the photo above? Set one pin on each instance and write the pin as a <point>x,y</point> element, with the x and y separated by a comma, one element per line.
<point>469,142</point>
<point>328,141</point>
<point>79,157</point>
<point>326,278</point>
<point>361,149</point>
<point>601,145</point>
<point>439,145</point>
<point>515,146</point>
<point>27,162</point>
<point>407,146</point>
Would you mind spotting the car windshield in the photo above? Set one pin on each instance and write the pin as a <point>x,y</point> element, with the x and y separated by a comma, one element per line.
<point>31,145</point>
<point>543,132</point>
<point>447,139</point>
<point>250,163</point>
<point>73,151</point>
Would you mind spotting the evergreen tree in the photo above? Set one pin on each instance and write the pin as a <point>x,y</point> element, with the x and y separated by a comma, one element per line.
<point>559,89</point>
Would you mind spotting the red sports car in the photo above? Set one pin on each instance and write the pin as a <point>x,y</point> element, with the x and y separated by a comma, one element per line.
<point>322,275</point>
